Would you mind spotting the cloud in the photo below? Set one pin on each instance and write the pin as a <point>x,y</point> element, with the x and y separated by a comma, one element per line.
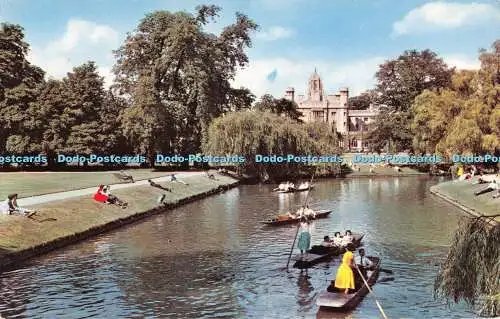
<point>272,76</point>
<point>445,15</point>
<point>82,41</point>
<point>275,33</point>
<point>357,75</point>
<point>462,61</point>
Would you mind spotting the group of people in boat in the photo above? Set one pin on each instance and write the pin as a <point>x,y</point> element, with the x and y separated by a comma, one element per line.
<point>288,186</point>
<point>348,278</point>
<point>338,240</point>
<point>301,213</point>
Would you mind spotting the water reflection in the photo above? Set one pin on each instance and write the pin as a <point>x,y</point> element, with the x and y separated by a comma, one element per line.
<point>214,258</point>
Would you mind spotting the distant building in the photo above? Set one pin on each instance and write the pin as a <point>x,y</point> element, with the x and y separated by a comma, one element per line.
<point>352,125</point>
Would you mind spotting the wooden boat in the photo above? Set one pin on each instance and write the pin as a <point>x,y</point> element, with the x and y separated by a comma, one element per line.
<point>289,190</point>
<point>302,189</point>
<point>335,299</point>
<point>278,222</point>
<point>320,253</point>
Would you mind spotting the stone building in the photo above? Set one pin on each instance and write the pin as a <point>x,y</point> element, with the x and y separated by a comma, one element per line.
<point>334,109</point>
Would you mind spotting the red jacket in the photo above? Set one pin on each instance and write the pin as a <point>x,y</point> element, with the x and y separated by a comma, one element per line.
<point>100,197</point>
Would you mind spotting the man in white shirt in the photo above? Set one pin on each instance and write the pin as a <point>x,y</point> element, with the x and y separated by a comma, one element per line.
<point>362,260</point>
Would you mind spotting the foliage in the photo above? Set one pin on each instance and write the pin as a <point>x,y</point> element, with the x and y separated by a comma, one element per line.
<point>187,73</point>
<point>280,106</point>
<point>399,82</point>
<point>249,133</point>
<point>363,101</point>
<point>19,82</point>
<point>464,118</point>
<point>471,271</point>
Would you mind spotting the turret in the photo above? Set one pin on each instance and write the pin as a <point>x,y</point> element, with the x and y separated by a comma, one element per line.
<point>290,93</point>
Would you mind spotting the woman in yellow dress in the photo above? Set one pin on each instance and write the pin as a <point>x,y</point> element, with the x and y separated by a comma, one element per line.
<point>345,275</point>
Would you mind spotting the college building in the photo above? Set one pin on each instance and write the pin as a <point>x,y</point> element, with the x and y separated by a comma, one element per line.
<point>317,106</point>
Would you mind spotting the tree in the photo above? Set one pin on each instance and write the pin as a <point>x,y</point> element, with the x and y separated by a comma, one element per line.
<point>19,81</point>
<point>362,101</point>
<point>472,267</point>
<point>280,107</point>
<point>464,118</point>
<point>250,133</point>
<point>84,114</point>
<point>399,82</point>
<point>189,72</point>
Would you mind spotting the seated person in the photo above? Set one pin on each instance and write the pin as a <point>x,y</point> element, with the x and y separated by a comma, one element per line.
<point>100,196</point>
<point>112,199</point>
<point>364,263</point>
<point>309,213</point>
<point>337,239</point>
<point>327,242</point>
<point>10,206</point>
<point>347,239</point>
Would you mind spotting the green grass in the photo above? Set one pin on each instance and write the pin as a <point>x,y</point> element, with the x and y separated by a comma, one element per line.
<point>73,216</point>
<point>384,171</point>
<point>28,184</point>
<point>462,193</point>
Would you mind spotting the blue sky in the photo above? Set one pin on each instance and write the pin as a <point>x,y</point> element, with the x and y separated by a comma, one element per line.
<point>345,39</point>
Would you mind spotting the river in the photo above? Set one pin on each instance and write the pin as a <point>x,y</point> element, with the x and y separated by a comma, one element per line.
<point>213,258</point>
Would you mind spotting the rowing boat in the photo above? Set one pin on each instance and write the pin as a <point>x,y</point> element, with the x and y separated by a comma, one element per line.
<point>335,299</point>
<point>320,253</point>
<point>278,222</point>
<point>304,188</point>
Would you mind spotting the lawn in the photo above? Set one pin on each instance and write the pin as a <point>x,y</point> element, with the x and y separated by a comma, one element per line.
<point>462,192</point>
<point>59,219</point>
<point>28,184</point>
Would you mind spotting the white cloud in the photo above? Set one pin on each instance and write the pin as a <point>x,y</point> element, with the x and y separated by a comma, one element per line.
<point>445,15</point>
<point>82,41</point>
<point>357,75</point>
<point>274,33</point>
<point>462,61</point>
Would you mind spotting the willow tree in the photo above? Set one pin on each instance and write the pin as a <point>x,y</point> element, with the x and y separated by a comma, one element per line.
<point>251,133</point>
<point>471,271</point>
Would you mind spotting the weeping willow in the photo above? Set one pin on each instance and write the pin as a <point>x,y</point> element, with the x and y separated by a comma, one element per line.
<point>249,133</point>
<point>471,271</point>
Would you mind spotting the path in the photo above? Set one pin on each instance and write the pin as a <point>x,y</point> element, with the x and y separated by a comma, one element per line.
<point>33,200</point>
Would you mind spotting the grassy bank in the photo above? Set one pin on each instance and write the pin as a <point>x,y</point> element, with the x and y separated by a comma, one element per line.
<point>66,221</point>
<point>39,183</point>
<point>461,194</point>
<point>364,171</point>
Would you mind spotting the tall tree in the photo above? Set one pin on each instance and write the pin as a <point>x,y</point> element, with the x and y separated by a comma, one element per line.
<point>83,115</point>
<point>399,82</point>
<point>280,106</point>
<point>464,118</point>
<point>19,81</point>
<point>189,70</point>
<point>363,100</point>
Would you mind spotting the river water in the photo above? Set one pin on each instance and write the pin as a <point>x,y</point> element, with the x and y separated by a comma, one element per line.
<point>213,258</point>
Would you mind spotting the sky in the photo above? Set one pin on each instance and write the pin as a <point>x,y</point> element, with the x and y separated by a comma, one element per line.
<point>346,40</point>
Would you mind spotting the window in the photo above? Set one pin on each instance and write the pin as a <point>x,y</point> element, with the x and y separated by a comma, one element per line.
<point>334,114</point>
<point>318,115</point>
<point>365,119</point>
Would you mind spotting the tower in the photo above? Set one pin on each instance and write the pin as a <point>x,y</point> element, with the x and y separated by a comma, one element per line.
<point>315,88</point>
<point>290,93</point>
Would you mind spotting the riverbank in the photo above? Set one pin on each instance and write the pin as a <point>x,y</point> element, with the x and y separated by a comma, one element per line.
<point>461,194</point>
<point>63,222</point>
<point>364,171</point>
